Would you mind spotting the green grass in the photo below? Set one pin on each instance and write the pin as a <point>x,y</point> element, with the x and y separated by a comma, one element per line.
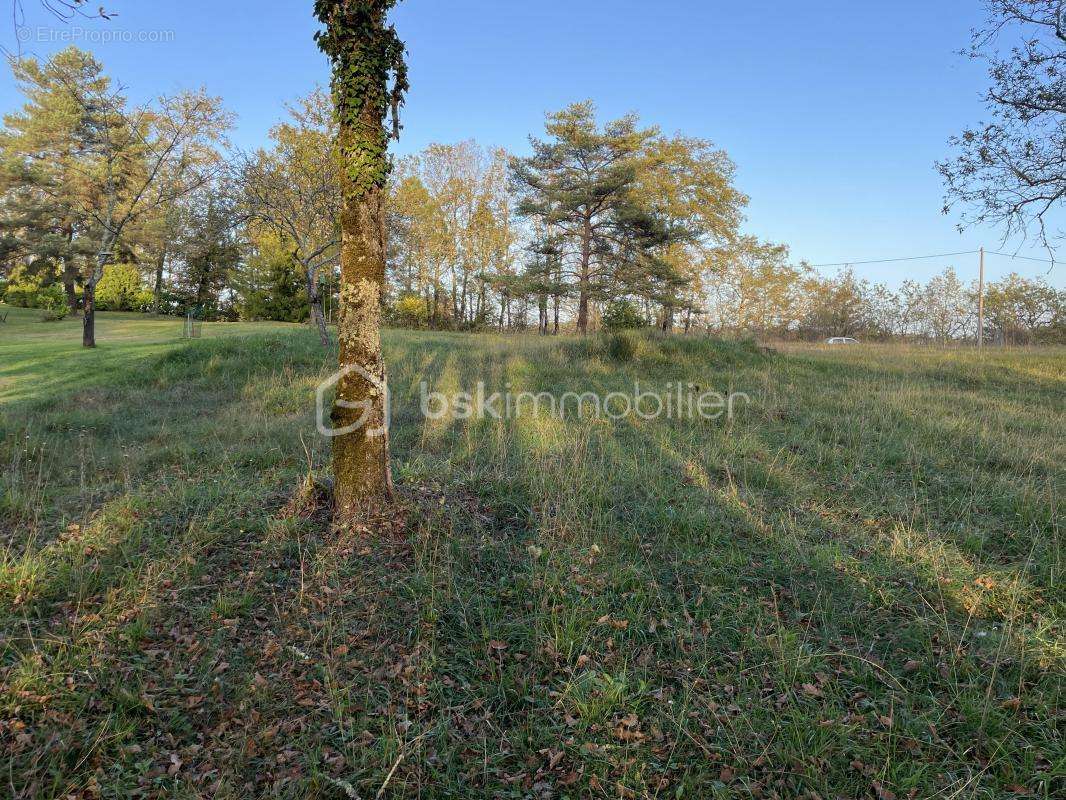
<point>853,589</point>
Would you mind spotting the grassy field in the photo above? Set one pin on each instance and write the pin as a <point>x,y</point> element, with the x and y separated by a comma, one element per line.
<point>853,589</point>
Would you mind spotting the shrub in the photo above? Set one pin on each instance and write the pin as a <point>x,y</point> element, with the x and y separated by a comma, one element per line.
<point>53,304</point>
<point>120,290</point>
<point>409,311</point>
<point>22,295</point>
<point>622,315</point>
<point>22,289</point>
<point>29,289</point>
<point>623,345</point>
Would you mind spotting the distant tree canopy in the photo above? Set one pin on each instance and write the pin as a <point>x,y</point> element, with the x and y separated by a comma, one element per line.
<point>594,215</point>
<point>610,225</point>
<point>1011,169</point>
<point>452,234</point>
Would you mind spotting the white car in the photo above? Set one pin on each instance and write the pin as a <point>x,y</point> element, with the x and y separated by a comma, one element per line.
<point>841,340</point>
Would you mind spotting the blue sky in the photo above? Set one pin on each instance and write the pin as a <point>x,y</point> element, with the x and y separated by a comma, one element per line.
<point>834,111</point>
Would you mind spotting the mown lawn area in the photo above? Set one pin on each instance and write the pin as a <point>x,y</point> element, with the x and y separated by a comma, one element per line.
<point>852,589</point>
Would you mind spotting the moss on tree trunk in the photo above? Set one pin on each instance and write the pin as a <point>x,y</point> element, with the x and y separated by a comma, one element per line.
<point>361,458</point>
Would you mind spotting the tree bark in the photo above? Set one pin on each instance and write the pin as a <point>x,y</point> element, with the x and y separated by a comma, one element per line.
<point>455,301</point>
<point>583,294</point>
<point>315,299</point>
<point>583,312</point>
<point>364,50</point>
<point>159,265</point>
<point>463,298</point>
<point>668,319</point>
<point>88,323</point>
<point>88,331</point>
<point>69,284</point>
<point>361,457</point>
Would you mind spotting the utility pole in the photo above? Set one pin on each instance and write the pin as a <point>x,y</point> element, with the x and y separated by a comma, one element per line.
<point>981,304</point>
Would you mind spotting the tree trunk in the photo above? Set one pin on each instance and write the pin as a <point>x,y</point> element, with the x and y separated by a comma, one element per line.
<point>555,331</point>
<point>583,295</point>
<point>583,311</point>
<point>361,456</point>
<point>88,324</point>
<point>462,300</point>
<point>668,319</point>
<point>479,317</point>
<point>88,334</point>
<point>363,49</point>
<point>159,265</point>
<point>455,301</point>
<point>69,285</point>
<point>315,299</point>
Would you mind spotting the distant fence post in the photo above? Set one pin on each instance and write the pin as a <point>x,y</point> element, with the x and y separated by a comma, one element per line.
<point>981,304</point>
<point>193,328</point>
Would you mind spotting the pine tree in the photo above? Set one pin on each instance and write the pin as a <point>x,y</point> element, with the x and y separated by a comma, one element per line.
<point>43,179</point>
<point>581,183</point>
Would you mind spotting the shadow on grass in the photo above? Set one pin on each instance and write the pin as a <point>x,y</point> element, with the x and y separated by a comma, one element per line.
<point>722,585</point>
<point>736,569</point>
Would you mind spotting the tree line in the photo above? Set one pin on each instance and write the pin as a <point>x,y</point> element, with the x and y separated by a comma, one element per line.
<point>103,205</point>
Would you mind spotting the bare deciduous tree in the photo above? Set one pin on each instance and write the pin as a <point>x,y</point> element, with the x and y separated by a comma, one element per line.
<point>140,161</point>
<point>295,190</point>
<point>1011,171</point>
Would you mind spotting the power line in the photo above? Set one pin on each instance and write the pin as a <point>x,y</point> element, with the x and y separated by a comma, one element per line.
<point>894,260</point>
<point>1023,258</point>
<point>936,255</point>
